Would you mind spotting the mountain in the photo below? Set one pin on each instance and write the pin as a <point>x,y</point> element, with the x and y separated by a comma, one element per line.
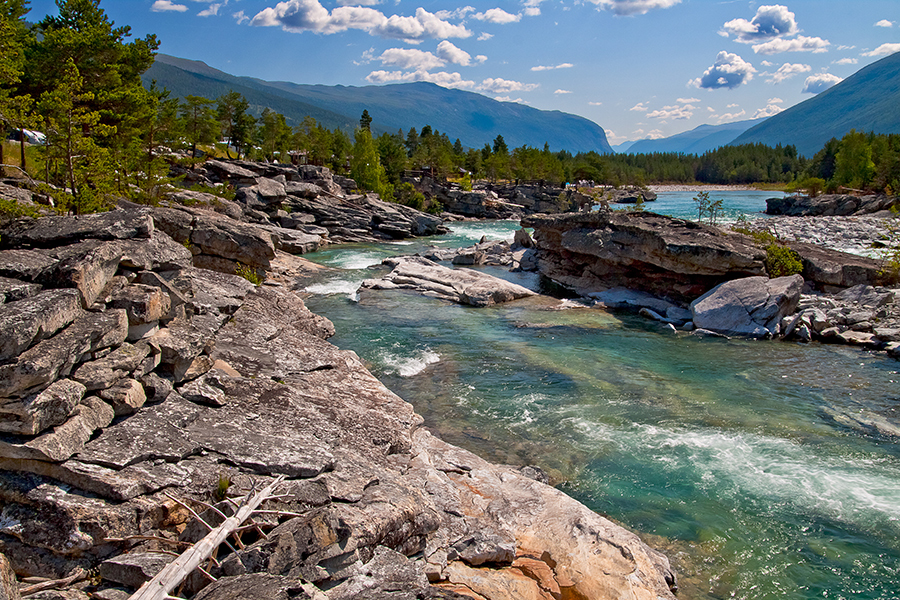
<point>474,119</point>
<point>623,147</point>
<point>696,141</point>
<point>865,101</point>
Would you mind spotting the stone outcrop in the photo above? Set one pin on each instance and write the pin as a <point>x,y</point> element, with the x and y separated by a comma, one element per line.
<point>464,286</point>
<point>829,205</point>
<point>748,307</point>
<point>233,385</point>
<point>667,257</point>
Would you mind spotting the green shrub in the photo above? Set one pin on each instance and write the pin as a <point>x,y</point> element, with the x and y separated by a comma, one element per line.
<point>248,273</point>
<point>762,237</point>
<point>781,261</point>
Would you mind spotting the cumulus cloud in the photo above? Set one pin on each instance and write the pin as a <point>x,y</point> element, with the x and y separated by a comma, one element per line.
<point>655,134</point>
<point>883,50</point>
<point>846,61</point>
<point>497,15</point>
<point>550,68</point>
<point>459,13</point>
<point>240,17</point>
<point>769,110</point>
<point>167,5</point>
<point>884,23</point>
<point>786,71</point>
<point>820,82</point>
<point>639,107</point>
<point>730,116</point>
<point>410,59</point>
<point>212,10</point>
<point>729,71</point>
<point>687,100</point>
<point>441,78</point>
<point>801,43</point>
<point>485,36</point>
<point>509,99</point>
<point>675,112</point>
<point>562,92</point>
<point>769,23</point>
<point>504,86</point>
<point>309,15</point>
<point>448,52</point>
<point>633,7</point>
<point>595,104</point>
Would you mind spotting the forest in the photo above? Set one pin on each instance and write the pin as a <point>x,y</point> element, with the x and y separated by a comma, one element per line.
<point>76,78</point>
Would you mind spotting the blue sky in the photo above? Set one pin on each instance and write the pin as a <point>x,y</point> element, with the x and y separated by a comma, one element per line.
<point>638,68</point>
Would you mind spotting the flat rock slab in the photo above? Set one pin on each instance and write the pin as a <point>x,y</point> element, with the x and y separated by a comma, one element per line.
<point>48,232</point>
<point>464,286</point>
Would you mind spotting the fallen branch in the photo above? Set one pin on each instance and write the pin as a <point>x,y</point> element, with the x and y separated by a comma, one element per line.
<point>79,575</point>
<point>176,571</point>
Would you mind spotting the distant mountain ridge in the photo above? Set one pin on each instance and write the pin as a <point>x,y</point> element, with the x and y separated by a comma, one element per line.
<point>696,141</point>
<point>474,119</point>
<point>868,100</point>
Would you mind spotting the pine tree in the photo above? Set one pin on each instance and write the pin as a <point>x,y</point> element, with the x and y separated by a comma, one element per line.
<point>365,166</point>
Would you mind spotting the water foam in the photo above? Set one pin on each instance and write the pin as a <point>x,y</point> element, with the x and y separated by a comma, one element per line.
<point>358,260</point>
<point>344,287</point>
<point>851,489</point>
<point>406,365</point>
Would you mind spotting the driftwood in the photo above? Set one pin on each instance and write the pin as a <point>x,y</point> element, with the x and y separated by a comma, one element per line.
<point>78,575</point>
<point>176,571</point>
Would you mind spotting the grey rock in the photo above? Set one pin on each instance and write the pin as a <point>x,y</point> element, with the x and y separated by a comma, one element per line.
<point>49,232</point>
<point>203,391</point>
<point>156,388</point>
<point>143,303</point>
<point>37,413</point>
<point>464,286</point>
<point>134,568</point>
<point>159,253</point>
<point>104,372</point>
<point>66,439</point>
<point>752,307</point>
<point>13,289</point>
<point>27,265</point>
<point>86,266</point>
<point>126,396</point>
<point>270,190</point>
<point>53,358</point>
<point>254,586</point>
<point>26,322</point>
<point>482,548</point>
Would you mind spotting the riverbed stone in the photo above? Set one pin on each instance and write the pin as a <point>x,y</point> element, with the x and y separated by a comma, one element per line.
<point>126,396</point>
<point>48,232</point>
<point>134,568</point>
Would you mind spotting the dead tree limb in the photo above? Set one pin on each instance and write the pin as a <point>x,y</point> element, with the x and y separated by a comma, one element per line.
<point>175,572</point>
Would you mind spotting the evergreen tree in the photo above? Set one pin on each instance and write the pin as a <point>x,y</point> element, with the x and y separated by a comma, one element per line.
<point>365,166</point>
<point>237,124</point>
<point>365,121</point>
<point>198,121</point>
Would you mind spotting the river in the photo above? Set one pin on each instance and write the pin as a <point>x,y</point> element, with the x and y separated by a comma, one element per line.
<point>728,455</point>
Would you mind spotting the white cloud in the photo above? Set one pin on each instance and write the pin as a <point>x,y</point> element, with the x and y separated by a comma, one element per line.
<point>504,86</point>
<point>480,58</point>
<point>309,15</point>
<point>562,92</point>
<point>729,71</point>
<point>509,99</point>
<point>459,13</point>
<point>786,71</point>
<point>485,36</point>
<point>769,23</point>
<point>883,50</point>
<point>595,104</point>
<point>497,15</point>
<point>820,82</point>
<point>769,110</point>
<point>655,134</point>
<point>884,23</point>
<point>410,59</point>
<point>843,47</point>
<point>442,78</point>
<point>686,100</point>
<point>531,11</point>
<point>639,107</point>
<point>733,106</point>
<point>846,61</point>
<point>731,116</point>
<point>801,43</point>
<point>633,7</point>
<point>167,5</point>
<point>450,53</point>
<point>550,68</point>
<point>240,17</point>
<point>775,101</point>
<point>212,10</point>
<point>673,112</point>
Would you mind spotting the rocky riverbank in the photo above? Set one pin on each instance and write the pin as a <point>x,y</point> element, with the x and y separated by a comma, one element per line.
<point>142,384</point>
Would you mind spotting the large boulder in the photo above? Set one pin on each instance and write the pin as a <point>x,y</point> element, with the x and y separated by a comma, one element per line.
<point>49,232</point>
<point>664,256</point>
<point>750,307</point>
<point>829,205</point>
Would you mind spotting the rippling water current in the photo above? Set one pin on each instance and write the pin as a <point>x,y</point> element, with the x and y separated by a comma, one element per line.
<point>730,456</point>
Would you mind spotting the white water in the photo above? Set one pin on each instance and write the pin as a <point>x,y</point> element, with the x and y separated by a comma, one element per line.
<point>407,363</point>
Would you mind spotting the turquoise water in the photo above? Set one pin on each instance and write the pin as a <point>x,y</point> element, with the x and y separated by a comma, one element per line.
<point>727,455</point>
<point>751,203</point>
